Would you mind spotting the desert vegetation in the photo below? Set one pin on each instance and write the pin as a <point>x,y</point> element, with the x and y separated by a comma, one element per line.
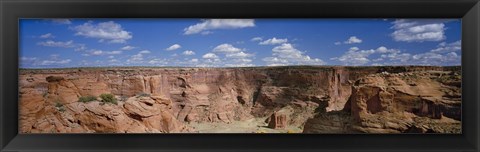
<point>108,98</point>
<point>86,99</point>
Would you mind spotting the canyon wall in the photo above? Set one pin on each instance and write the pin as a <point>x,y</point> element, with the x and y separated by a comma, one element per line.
<point>164,100</point>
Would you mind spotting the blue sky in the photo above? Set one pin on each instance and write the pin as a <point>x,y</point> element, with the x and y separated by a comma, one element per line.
<point>55,43</point>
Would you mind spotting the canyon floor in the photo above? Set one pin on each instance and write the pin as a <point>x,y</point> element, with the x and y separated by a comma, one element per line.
<point>254,125</point>
<point>288,99</point>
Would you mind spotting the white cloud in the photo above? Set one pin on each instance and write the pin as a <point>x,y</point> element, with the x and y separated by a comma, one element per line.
<point>274,61</point>
<point>55,62</point>
<point>213,61</point>
<point>450,47</point>
<point>355,56</point>
<point>354,48</point>
<point>50,43</point>
<point>377,60</point>
<point>396,56</point>
<point>286,54</point>
<point>203,65</point>
<point>61,21</point>
<point>137,58</point>
<point>242,60</point>
<point>256,39</point>
<point>427,58</point>
<point>418,30</point>
<point>158,62</point>
<point>239,65</point>
<point>226,48</point>
<point>48,35</point>
<point>173,47</point>
<point>101,52</point>
<point>188,52</point>
<point>105,31</point>
<point>187,62</point>
<point>210,56</point>
<point>128,47</point>
<point>97,52</point>
<point>286,51</point>
<point>144,52</point>
<point>239,55</point>
<point>352,40</point>
<point>234,57</point>
<point>273,41</point>
<point>212,24</point>
<point>26,59</point>
<point>444,54</point>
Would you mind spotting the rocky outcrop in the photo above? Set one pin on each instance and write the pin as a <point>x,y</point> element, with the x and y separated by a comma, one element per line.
<point>398,103</point>
<point>165,100</point>
<point>278,120</point>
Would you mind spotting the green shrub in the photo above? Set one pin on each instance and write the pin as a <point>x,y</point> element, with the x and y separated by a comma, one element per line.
<point>143,94</point>
<point>108,98</point>
<point>86,99</point>
<point>58,104</point>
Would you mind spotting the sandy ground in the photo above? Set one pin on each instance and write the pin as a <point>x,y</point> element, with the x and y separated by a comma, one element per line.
<point>254,125</point>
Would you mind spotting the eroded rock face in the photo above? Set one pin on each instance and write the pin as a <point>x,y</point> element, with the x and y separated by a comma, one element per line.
<point>312,98</point>
<point>398,103</point>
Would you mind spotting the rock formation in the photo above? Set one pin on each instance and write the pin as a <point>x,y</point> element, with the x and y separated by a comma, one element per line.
<point>278,120</point>
<point>398,103</point>
<point>314,99</point>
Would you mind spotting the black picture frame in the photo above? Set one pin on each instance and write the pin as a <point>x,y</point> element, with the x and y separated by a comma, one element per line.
<point>12,10</point>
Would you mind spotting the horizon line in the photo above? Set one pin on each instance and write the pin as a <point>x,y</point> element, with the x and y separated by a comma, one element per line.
<point>99,67</point>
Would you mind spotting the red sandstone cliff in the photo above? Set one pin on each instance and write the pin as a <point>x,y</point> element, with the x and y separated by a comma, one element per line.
<point>177,96</point>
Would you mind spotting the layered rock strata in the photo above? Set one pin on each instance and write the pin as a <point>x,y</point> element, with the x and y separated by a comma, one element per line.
<point>314,99</point>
